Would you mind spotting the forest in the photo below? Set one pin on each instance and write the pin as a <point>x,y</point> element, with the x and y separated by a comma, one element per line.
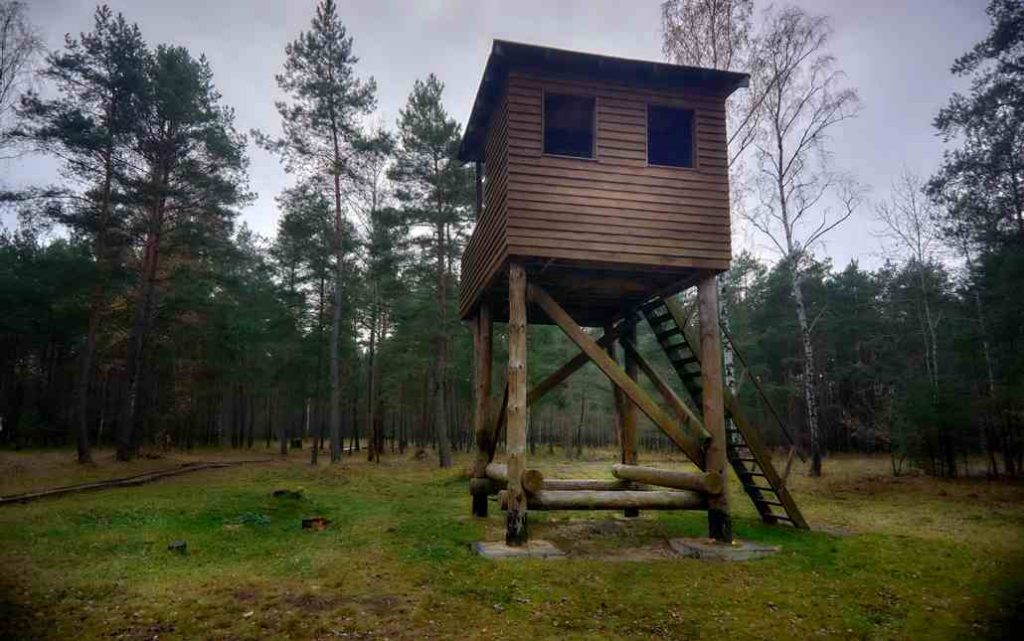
<point>140,312</point>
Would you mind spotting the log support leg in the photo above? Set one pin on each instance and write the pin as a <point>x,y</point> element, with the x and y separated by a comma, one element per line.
<point>719,517</point>
<point>516,527</point>
<point>628,413</point>
<point>482,343</point>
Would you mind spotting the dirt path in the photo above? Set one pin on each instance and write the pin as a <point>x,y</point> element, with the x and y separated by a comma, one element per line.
<point>126,481</point>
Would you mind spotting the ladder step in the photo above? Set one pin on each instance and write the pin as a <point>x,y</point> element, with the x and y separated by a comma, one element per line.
<point>658,319</point>
<point>686,360</point>
<point>750,473</point>
<point>745,460</point>
<point>759,488</point>
<point>667,333</point>
<point>764,502</point>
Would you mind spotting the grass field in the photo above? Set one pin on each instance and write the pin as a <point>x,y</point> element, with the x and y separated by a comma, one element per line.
<point>899,558</point>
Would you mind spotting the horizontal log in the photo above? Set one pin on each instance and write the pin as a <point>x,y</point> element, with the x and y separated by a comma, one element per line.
<point>533,480</point>
<point>611,485</point>
<point>705,482</point>
<point>612,500</point>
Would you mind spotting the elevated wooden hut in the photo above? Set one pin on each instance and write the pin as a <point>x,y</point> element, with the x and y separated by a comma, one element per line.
<point>602,191</point>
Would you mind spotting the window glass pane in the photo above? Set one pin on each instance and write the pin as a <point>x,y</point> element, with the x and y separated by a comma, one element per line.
<point>569,125</point>
<point>669,136</point>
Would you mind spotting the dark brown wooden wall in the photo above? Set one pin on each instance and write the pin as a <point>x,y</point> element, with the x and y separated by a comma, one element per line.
<point>612,210</point>
<point>616,208</point>
<point>487,248</point>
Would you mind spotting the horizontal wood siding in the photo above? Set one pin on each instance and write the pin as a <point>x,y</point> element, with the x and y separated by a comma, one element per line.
<point>487,247</point>
<point>615,208</point>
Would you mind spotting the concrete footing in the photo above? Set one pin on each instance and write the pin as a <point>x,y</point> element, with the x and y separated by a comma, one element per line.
<point>534,549</point>
<point>710,549</point>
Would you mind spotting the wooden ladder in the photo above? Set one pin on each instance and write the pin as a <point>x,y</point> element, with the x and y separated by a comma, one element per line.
<point>747,454</point>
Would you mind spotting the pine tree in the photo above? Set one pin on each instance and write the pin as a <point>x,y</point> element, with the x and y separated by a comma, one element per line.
<point>385,230</point>
<point>321,123</point>
<point>434,189</point>
<point>90,125</point>
<point>191,178</point>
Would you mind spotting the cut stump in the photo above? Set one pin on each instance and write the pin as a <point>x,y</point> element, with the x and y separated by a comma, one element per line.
<point>315,523</point>
<point>178,547</point>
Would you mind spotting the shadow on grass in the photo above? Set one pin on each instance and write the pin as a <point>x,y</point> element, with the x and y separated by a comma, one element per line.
<point>1006,620</point>
<point>18,620</point>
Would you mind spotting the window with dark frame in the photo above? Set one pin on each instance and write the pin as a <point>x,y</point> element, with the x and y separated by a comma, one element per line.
<point>569,125</point>
<point>669,136</point>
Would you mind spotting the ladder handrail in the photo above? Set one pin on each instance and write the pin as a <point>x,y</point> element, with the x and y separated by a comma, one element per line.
<point>760,390</point>
<point>688,316</point>
<point>744,435</point>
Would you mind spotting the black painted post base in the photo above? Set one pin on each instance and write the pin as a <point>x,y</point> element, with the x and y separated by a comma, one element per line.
<point>480,505</point>
<point>480,489</point>
<point>720,525</point>
<point>515,531</point>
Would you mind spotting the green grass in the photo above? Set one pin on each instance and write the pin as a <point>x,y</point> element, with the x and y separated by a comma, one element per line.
<point>919,559</point>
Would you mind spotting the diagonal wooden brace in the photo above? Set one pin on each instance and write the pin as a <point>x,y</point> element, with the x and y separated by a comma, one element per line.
<point>682,410</point>
<point>569,368</point>
<point>616,374</point>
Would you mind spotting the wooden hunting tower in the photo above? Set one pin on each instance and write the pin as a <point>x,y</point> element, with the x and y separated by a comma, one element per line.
<point>602,192</point>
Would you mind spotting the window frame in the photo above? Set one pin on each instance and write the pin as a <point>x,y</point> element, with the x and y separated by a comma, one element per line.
<point>694,144</point>
<point>543,124</point>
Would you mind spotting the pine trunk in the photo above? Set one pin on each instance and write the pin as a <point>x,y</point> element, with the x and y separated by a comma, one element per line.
<point>85,367</point>
<point>444,447</point>
<point>127,436</point>
<point>335,409</point>
<point>373,453</point>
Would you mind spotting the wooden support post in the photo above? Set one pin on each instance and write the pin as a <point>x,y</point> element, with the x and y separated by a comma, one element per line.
<point>618,398</point>
<point>616,374</point>
<point>499,422</point>
<point>719,518</point>
<point>677,404</point>
<point>628,415</point>
<point>516,526</point>
<point>482,347</point>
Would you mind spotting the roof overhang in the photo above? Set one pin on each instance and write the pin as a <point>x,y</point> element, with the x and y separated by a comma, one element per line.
<point>507,55</point>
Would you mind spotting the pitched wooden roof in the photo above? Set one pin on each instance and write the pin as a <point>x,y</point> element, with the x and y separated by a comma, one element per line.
<point>506,55</point>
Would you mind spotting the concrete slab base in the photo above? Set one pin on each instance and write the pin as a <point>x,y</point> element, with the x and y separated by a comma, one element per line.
<point>534,549</point>
<point>710,549</point>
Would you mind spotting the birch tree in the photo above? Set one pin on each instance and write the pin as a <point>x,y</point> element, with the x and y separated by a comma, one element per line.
<point>719,34</point>
<point>800,198</point>
<point>321,121</point>
<point>20,48</point>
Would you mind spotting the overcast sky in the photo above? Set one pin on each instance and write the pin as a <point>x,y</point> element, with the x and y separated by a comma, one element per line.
<point>897,54</point>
